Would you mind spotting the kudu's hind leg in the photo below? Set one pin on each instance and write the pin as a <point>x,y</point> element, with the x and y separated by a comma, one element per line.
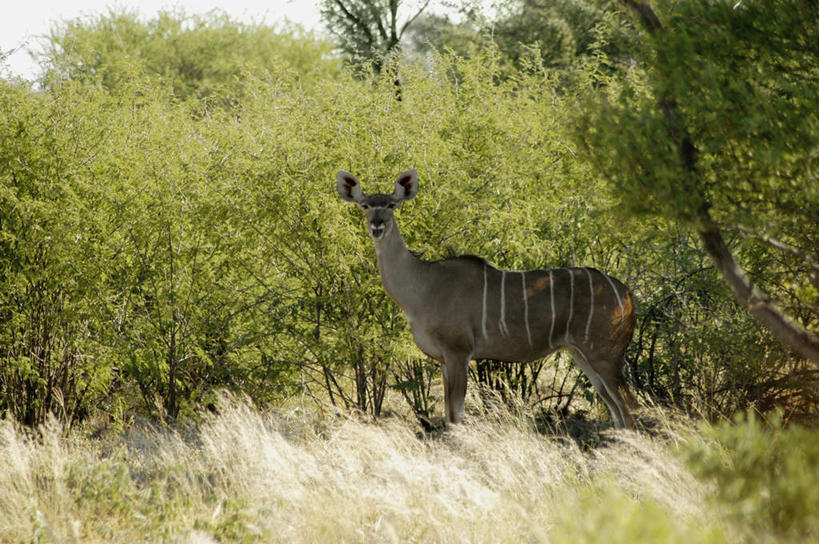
<point>455,371</point>
<point>615,385</point>
<point>608,385</point>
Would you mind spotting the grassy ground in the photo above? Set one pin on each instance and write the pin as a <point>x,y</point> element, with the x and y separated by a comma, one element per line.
<point>245,476</point>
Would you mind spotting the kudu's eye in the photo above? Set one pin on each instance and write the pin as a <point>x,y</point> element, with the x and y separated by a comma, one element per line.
<point>365,207</point>
<point>391,206</point>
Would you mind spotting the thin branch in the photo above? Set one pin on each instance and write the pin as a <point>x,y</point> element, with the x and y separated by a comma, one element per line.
<point>781,246</point>
<point>412,19</point>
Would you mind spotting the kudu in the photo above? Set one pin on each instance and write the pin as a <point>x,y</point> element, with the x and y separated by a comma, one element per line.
<point>463,308</point>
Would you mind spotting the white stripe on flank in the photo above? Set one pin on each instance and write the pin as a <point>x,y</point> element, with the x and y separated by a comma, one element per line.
<point>591,303</point>
<point>483,308</point>
<point>552,299</point>
<point>502,323</point>
<point>526,309</point>
<point>619,302</point>
<point>571,303</point>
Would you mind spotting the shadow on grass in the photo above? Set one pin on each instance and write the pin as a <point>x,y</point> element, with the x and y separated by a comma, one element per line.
<point>586,431</point>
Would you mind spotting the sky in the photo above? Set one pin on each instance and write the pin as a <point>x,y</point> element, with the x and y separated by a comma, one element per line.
<point>24,22</point>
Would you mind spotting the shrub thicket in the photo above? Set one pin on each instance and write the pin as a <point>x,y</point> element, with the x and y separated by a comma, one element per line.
<point>169,225</point>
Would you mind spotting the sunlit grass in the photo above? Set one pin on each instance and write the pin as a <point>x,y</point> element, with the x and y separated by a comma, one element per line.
<point>296,477</point>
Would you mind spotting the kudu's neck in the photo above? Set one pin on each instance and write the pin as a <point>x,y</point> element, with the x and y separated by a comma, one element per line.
<point>401,271</point>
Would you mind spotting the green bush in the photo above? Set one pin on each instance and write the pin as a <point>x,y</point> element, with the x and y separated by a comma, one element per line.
<point>765,474</point>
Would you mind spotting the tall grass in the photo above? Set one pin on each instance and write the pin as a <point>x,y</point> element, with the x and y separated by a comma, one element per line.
<point>245,476</point>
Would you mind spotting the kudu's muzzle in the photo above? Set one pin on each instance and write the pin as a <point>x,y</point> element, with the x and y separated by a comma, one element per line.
<point>377,228</point>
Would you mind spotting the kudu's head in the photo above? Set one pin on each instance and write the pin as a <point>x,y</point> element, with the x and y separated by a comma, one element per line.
<point>379,208</point>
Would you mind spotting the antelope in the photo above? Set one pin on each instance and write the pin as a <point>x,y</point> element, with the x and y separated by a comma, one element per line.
<point>463,308</point>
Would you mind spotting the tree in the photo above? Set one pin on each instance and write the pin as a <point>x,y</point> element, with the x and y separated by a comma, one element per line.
<point>558,32</point>
<point>719,131</point>
<point>561,30</point>
<point>196,56</point>
<point>369,31</point>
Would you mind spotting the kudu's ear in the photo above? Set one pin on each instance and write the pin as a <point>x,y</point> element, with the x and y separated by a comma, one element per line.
<point>406,186</point>
<point>348,187</point>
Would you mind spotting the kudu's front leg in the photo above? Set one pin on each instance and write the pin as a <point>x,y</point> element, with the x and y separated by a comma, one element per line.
<point>455,367</point>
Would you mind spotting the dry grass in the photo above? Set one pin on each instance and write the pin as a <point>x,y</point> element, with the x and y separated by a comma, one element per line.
<point>245,476</point>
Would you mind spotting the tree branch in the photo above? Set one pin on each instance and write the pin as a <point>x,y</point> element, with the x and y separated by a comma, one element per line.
<point>356,21</point>
<point>649,18</point>
<point>751,297</point>
<point>393,23</point>
<point>377,17</point>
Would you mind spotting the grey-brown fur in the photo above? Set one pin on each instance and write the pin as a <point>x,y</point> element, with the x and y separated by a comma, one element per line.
<point>463,308</point>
